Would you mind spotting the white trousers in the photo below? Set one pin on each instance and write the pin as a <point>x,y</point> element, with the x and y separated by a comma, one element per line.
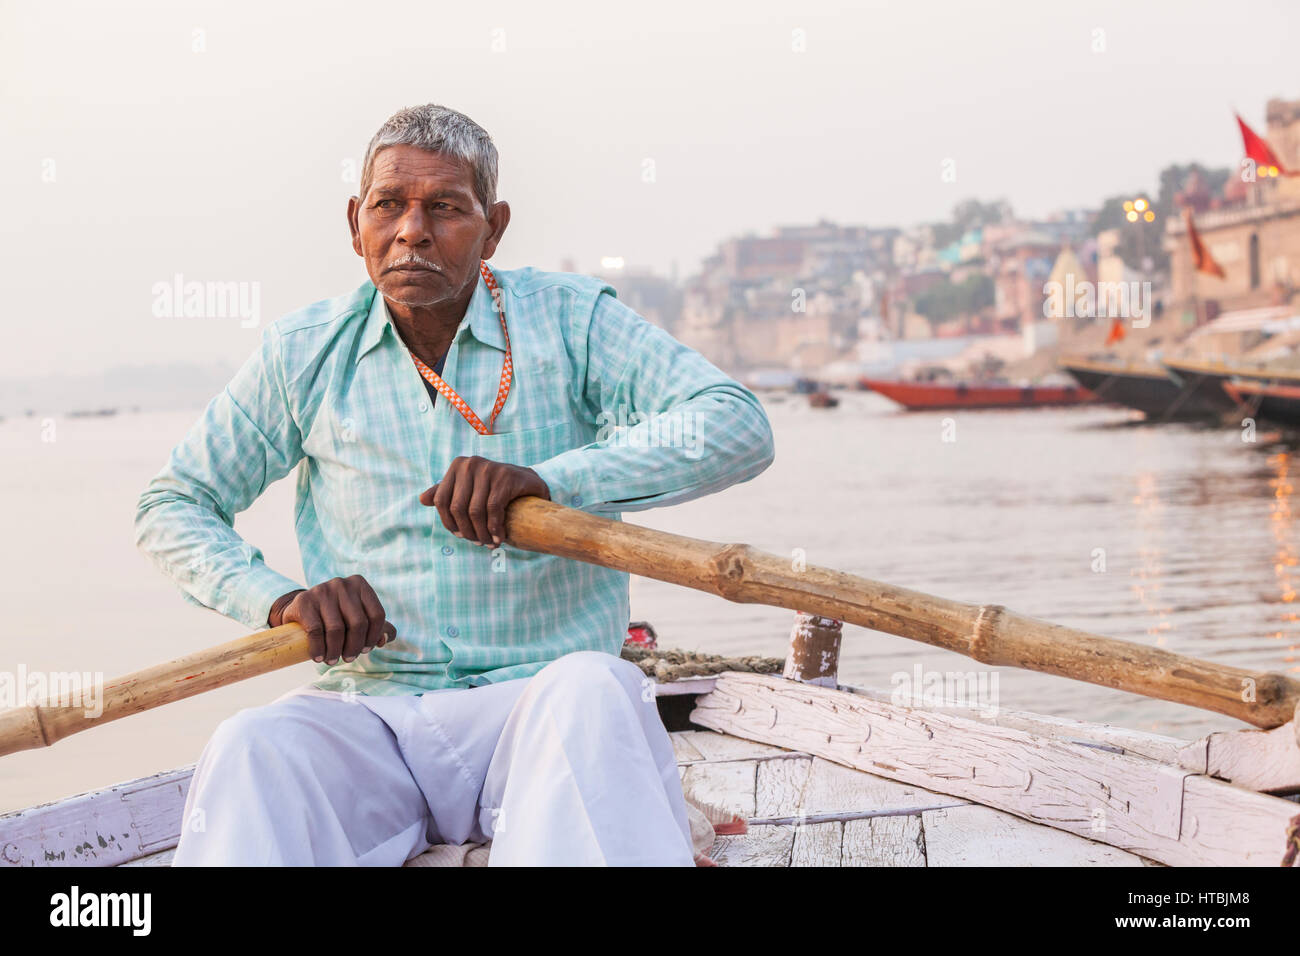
<point>570,767</point>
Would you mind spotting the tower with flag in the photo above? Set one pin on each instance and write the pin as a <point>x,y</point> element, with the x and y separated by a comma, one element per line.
<point>1241,250</point>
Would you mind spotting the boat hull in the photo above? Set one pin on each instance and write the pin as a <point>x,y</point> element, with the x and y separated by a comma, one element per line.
<point>784,760</point>
<point>1203,385</point>
<point>1148,390</point>
<point>1274,403</point>
<point>930,396</point>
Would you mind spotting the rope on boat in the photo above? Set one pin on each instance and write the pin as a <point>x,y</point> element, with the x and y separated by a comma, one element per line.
<point>1292,841</point>
<point>670,665</point>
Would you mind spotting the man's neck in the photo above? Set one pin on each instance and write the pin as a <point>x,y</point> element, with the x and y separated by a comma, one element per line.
<point>428,330</point>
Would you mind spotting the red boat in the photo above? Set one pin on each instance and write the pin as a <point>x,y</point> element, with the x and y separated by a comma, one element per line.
<point>916,396</point>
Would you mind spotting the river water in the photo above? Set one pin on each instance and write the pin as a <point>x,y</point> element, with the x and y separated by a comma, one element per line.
<point>1179,537</point>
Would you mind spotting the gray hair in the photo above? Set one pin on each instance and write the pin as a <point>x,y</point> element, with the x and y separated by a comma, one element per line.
<point>439,130</point>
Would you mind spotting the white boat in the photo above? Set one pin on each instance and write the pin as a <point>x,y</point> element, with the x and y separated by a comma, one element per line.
<point>841,776</point>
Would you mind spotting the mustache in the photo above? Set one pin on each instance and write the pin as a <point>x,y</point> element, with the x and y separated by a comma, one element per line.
<point>413,259</point>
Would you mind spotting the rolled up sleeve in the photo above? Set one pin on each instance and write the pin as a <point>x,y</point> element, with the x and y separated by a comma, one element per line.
<point>245,440</point>
<point>670,425</point>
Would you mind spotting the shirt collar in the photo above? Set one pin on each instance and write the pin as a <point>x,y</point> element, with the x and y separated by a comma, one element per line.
<point>480,318</point>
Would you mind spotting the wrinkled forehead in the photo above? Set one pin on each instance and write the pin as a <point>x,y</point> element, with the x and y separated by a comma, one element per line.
<point>410,170</point>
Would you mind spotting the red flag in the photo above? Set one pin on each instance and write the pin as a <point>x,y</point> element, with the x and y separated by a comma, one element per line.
<point>1116,332</point>
<point>1202,261</point>
<point>1257,148</point>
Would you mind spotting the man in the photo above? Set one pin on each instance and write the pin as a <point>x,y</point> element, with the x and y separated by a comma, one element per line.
<point>468,690</point>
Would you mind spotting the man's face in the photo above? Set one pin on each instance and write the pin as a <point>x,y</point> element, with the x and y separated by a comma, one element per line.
<point>421,228</point>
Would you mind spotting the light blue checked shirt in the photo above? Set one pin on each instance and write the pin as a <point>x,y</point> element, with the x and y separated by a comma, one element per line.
<point>613,413</point>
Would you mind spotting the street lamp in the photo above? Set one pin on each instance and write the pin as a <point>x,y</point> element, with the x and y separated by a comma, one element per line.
<point>1135,209</point>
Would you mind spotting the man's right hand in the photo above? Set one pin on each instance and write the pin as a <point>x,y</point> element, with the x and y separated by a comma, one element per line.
<point>342,617</point>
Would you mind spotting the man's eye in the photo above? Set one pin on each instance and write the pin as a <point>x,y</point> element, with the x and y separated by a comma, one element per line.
<point>385,204</point>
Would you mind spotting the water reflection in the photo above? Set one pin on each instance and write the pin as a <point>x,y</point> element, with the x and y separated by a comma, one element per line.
<point>1150,529</point>
<point>1282,522</point>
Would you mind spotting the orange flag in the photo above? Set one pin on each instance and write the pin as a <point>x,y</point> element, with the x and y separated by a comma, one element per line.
<point>1116,332</point>
<point>1257,148</point>
<point>1202,261</point>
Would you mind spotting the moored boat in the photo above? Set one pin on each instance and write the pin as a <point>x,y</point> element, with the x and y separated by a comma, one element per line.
<point>1223,371</point>
<point>1274,403</point>
<point>1146,388</point>
<point>935,396</point>
<point>1202,383</point>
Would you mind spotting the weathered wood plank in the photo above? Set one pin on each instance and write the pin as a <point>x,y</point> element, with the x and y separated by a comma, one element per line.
<point>1258,759</point>
<point>101,828</point>
<point>761,846</point>
<point>683,749</point>
<point>1139,802</point>
<point>1120,739</point>
<point>835,788</point>
<point>779,786</point>
<point>817,844</point>
<point>781,792</point>
<point>883,841</point>
<point>982,836</point>
<point>715,746</point>
<point>1255,759</point>
<point>728,785</point>
<point>161,858</point>
<point>687,685</point>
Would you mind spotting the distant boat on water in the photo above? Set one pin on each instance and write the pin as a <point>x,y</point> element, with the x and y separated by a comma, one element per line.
<point>806,386</point>
<point>933,396</point>
<point>823,399</point>
<point>1148,388</point>
<point>1174,389</point>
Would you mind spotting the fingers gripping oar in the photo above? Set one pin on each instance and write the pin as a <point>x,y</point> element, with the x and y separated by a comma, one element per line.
<point>989,633</point>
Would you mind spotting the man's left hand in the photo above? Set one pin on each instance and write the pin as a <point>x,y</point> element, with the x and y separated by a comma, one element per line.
<point>472,497</point>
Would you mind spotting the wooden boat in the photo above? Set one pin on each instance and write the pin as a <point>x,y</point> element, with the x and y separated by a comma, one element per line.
<point>1274,403</point>
<point>934,396</point>
<point>1202,383</point>
<point>1222,371</point>
<point>842,776</point>
<point>805,770</point>
<point>1147,388</point>
<point>806,386</point>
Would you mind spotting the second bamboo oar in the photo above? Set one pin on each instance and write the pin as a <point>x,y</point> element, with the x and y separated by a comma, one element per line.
<point>39,725</point>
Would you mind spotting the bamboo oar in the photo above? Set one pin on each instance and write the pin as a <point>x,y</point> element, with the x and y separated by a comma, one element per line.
<point>989,633</point>
<point>39,725</point>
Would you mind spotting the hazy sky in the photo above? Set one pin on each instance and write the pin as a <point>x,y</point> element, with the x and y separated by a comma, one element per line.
<point>227,163</point>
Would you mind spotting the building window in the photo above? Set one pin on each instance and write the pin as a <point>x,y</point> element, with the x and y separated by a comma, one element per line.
<point>1254,261</point>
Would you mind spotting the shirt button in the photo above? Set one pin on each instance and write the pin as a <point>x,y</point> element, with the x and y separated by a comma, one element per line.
<point>576,501</point>
<point>452,630</point>
<point>424,406</point>
<point>447,549</point>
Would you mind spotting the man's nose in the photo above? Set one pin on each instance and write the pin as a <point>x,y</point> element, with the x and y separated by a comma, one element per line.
<point>415,228</point>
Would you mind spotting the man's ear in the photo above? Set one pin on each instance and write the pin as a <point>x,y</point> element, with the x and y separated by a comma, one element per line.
<point>498,219</point>
<point>354,208</point>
